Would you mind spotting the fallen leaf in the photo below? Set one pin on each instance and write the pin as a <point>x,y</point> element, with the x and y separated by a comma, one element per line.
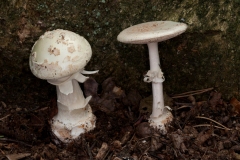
<point>236,155</point>
<point>108,85</point>
<point>132,99</point>
<point>155,143</point>
<point>107,100</point>
<point>236,106</point>
<point>215,99</point>
<point>106,105</point>
<point>203,137</point>
<point>91,89</point>
<point>178,141</point>
<point>17,156</point>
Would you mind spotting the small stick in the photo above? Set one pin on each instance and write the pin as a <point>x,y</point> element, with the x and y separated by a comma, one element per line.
<point>1,119</point>
<point>42,109</point>
<point>2,152</point>
<point>208,125</point>
<point>107,155</point>
<point>102,151</point>
<point>89,152</point>
<point>179,103</point>
<point>17,156</point>
<point>186,94</point>
<point>184,107</point>
<point>213,121</point>
<point>14,141</point>
<point>94,143</point>
<point>144,153</point>
<point>196,91</point>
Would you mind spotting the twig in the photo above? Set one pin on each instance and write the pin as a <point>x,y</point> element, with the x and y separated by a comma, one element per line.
<point>106,155</point>
<point>128,141</point>
<point>179,153</point>
<point>213,121</point>
<point>208,125</point>
<point>110,156</point>
<point>41,109</point>
<point>186,94</point>
<point>179,103</point>
<point>145,153</point>
<point>3,153</point>
<point>154,155</point>
<point>103,151</point>
<point>183,107</point>
<point>1,119</point>
<point>94,143</point>
<point>89,152</point>
<point>15,141</point>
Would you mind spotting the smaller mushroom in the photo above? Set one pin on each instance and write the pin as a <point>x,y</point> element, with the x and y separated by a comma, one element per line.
<point>59,56</point>
<point>151,33</point>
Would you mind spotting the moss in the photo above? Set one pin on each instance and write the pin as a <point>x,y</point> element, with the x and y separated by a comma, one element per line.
<point>207,55</point>
<point>202,10</point>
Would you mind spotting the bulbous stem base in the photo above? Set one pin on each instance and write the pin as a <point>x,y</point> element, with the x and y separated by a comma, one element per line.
<point>162,121</point>
<point>67,132</point>
<point>74,115</point>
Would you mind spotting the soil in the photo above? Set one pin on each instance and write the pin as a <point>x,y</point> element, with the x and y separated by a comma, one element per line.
<point>204,125</point>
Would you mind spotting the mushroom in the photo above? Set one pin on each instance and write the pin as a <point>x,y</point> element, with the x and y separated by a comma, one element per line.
<point>59,56</point>
<point>151,33</point>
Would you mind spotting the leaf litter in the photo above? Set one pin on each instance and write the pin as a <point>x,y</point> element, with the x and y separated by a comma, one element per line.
<point>203,128</point>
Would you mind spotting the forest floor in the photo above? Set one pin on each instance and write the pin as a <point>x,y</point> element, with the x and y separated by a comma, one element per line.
<point>202,128</point>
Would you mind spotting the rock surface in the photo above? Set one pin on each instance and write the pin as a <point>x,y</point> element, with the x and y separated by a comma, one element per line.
<point>206,55</point>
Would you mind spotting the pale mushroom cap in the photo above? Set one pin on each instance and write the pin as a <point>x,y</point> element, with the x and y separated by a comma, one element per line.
<point>59,53</point>
<point>155,31</point>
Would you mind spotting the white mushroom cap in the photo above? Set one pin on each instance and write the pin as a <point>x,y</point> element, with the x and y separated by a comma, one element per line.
<point>59,53</point>
<point>155,31</point>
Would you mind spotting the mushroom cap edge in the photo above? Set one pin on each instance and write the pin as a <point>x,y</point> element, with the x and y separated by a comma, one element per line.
<point>154,31</point>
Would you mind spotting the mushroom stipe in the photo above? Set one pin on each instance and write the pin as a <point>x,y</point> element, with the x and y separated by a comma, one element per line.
<point>151,33</point>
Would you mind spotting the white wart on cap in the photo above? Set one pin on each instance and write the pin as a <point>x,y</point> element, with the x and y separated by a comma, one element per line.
<point>59,53</point>
<point>155,31</point>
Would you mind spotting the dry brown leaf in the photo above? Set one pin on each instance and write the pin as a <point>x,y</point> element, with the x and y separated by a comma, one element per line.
<point>178,141</point>
<point>116,145</point>
<point>203,137</point>
<point>155,143</point>
<point>132,100</point>
<point>106,105</point>
<point>215,99</point>
<point>236,156</point>
<point>107,100</point>
<point>17,156</point>
<point>236,105</point>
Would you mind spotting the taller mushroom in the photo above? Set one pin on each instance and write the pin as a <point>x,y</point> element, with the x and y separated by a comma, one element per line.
<point>59,56</point>
<point>151,33</point>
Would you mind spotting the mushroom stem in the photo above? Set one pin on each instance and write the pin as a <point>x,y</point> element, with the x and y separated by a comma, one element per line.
<point>74,113</point>
<point>154,56</point>
<point>157,87</point>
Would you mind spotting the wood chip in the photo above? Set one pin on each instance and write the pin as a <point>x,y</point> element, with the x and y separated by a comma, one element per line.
<point>102,151</point>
